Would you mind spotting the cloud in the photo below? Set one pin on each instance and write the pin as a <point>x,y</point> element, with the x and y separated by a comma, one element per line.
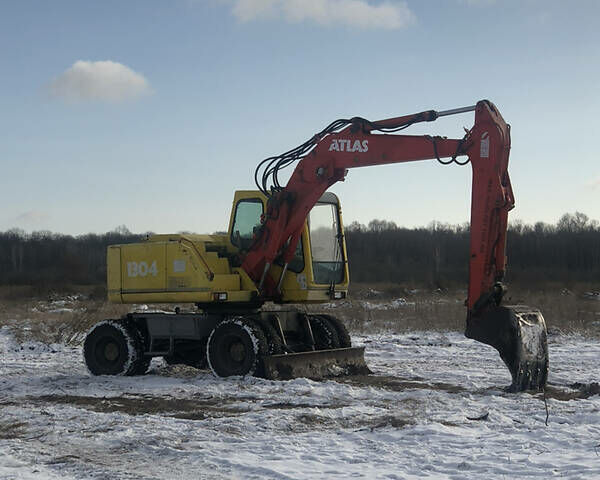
<point>103,81</point>
<point>31,217</point>
<point>353,13</point>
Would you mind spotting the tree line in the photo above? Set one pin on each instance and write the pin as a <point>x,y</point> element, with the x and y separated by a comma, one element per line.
<point>436,255</point>
<point>51,259</point>
<point>566,252</point>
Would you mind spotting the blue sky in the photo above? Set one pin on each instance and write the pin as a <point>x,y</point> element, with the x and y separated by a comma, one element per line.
<point>151,113</point>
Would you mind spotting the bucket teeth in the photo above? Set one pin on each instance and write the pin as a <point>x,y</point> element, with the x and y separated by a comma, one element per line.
<point>316,364</point>
<point>519,335</point>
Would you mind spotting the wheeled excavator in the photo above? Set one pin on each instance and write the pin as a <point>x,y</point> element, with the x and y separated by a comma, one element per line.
<point>285,247</point>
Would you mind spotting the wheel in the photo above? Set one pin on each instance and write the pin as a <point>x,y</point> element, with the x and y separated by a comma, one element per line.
<point>111,348</point>
<point>341,330</point>
<point>143,362</point>
<point>324,333</point>
<point>235,346</point>
<point>143,366</point>
<point>274,342</point>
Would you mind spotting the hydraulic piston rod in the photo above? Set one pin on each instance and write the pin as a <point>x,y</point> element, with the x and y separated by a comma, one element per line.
<point>456,111</point>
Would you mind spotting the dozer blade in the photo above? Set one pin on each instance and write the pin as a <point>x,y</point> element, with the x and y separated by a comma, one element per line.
<point>519,334</point>
<point>316,364</point>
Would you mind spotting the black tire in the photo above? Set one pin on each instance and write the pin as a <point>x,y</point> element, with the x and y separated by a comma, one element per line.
<point>235,347</point>
<point>341,330</point>
<point>143,366</point>
<point>143,362</point>
<point>110,348</point>
<point>274,341</point>
<point>324,333</point>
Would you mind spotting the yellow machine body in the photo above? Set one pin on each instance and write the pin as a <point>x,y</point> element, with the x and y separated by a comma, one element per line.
<point>205,269</point>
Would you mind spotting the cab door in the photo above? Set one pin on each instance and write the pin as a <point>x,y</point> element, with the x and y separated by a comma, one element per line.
<point>248,207</point>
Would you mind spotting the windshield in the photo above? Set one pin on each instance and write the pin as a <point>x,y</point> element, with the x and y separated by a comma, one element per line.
<point>325,244</point>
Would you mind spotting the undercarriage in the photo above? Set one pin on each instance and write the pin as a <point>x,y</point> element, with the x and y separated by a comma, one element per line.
<point>272,344</point>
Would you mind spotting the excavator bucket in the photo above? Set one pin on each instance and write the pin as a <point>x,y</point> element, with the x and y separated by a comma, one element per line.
<point>519,334</point>
<point>316,364</point>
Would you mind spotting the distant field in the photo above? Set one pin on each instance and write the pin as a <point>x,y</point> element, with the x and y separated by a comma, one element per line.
<point>64,318</point>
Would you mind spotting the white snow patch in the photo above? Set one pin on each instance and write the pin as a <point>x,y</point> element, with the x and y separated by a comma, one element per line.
<point>409,420</point>
<point>392,305</point>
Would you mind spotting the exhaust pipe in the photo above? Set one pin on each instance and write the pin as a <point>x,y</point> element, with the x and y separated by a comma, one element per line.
<point>519,334</point>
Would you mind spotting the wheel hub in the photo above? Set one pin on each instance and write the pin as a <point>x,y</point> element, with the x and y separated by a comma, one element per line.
<point>111,351</point>
<point>237,352</point>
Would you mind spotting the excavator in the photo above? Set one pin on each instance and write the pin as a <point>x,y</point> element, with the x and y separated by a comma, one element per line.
<point>285,248</point>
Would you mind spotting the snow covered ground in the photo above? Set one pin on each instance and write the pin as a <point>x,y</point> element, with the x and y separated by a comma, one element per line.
<point>434,408</point>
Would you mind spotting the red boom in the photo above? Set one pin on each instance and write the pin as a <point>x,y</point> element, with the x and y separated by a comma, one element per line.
<point>487,146</point>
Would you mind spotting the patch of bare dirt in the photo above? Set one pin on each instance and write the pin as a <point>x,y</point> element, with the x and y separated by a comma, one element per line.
<point>397,384</point>
<point>292,406</point>
<point>10,430</point>
<point>314,420</point>
<point>575,391</point>
<point>191,409</point>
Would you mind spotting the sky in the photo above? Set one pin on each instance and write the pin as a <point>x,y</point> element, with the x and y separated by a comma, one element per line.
<point>150,113</point>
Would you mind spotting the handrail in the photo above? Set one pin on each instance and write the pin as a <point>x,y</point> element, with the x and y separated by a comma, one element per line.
<point>209,273</point>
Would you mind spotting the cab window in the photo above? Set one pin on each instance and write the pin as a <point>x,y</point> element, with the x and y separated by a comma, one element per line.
<point>246,222</point>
